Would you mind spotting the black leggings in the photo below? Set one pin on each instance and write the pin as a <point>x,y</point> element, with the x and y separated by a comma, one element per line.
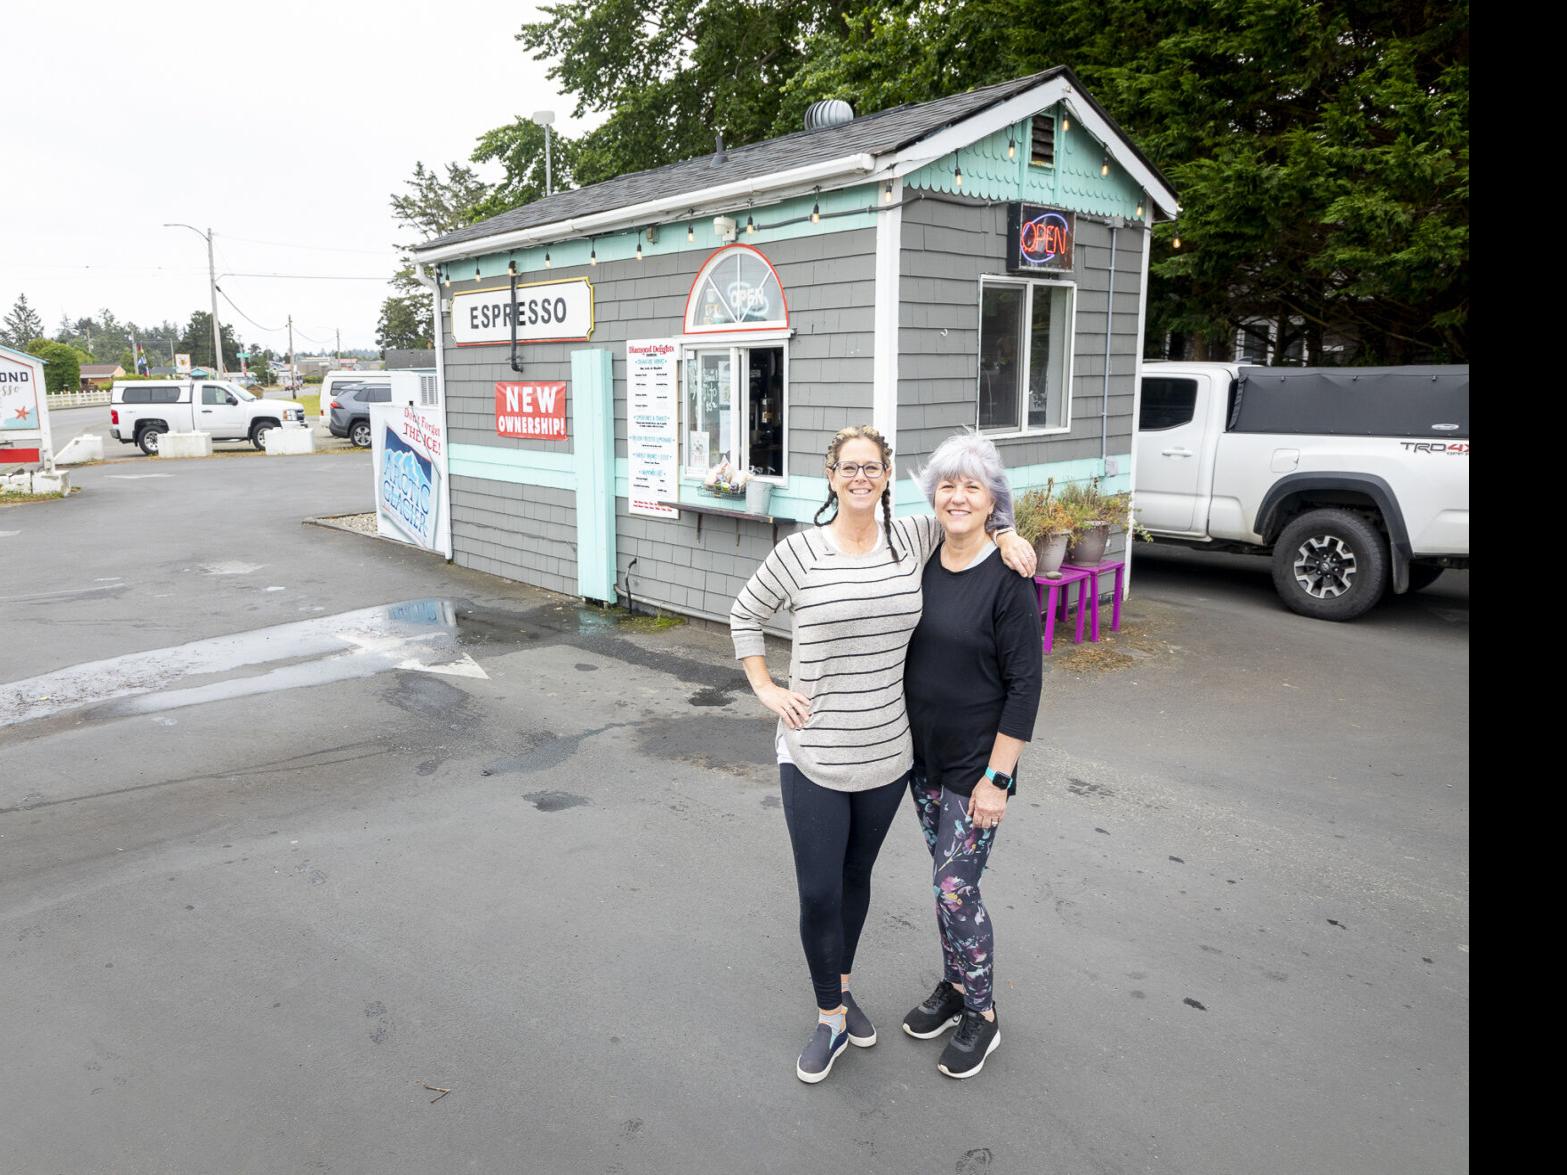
<point>836,836</point>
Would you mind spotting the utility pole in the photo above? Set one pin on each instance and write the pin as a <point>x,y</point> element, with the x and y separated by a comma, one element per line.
<point>339,355</point>
<point>212,282</point>
<point>291,350</point>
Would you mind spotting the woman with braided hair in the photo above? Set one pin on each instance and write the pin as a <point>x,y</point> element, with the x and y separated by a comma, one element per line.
<point>853,585</point>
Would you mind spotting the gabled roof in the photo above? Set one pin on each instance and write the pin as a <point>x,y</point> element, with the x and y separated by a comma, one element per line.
<point>866,145</point>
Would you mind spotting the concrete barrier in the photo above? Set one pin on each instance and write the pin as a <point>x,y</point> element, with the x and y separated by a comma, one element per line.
<point>54,482</point>
<point>286,441</point>
<point>185,444</point>
<point>16,483</point>
<point>86,447</point>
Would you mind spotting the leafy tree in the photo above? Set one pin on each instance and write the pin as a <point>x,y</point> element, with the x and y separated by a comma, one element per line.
<point>62,365</point>
<point>196,340</point>
<point>22,324</point>
<point>404,323</point>
<point>1320,148</point>
<point>432,204</point>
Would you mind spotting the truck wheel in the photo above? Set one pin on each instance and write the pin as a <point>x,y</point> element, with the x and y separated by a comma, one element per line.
<point>147,440</point>
<point>1423,575</point>
<point>359,433</point>
<point>1330,565</point>
<point>259,430</point>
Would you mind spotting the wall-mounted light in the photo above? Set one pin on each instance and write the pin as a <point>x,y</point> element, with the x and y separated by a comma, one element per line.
<point>548,264</point>
<point>639,250</point>
<point>593,254</point>
<point>886,193</point>
<point>1011,145</point>
<point>1066,123</point>
<point>690,234</point>
<point>1104,168</point>
<point>816,210</point>
<point>1140,207</point>
<point>750,225</point>
<point>957,176</point>
<point>477,276</point>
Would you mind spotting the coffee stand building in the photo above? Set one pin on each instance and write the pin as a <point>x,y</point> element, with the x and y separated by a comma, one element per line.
<point>976,261</point>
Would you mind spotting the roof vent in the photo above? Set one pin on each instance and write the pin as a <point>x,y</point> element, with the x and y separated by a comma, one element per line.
<point>832,112</point>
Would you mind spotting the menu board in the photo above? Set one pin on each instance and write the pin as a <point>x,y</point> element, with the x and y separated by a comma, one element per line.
<point>652,400</point>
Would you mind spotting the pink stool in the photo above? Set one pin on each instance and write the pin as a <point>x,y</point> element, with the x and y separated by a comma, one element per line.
<point>1093,574</point>
<point>1062,600</point>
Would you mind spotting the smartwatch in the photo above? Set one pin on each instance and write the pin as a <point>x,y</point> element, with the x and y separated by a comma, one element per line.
<point>1000,778</point>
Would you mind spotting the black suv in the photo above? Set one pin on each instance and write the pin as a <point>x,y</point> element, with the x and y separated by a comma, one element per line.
<point>350,410</point>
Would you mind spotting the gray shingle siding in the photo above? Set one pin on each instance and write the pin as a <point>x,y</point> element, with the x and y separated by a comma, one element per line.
<point>946,248</point>
<point>528,533</point>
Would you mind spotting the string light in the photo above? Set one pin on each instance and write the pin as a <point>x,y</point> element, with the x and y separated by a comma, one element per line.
<point>511,267</point>
<point>1011,145</point>
<point>957,177</point>
<point>548,264</point>
<point>816,210</point>
<point>690,233</point>
<point>750,225</point>
<point>1104,168</point>
<point>886,193</point>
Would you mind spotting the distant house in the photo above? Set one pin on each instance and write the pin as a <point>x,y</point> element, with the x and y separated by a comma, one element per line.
<point>100,375</point>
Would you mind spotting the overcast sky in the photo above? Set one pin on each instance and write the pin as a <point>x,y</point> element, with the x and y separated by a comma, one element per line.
<point>283,126</point>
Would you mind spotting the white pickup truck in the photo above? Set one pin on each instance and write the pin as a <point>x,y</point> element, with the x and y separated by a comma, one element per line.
<point>1353,479</point>
<point>140,411</point>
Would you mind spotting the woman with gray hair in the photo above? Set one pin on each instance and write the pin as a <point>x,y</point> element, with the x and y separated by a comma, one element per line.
<point>971,686</point>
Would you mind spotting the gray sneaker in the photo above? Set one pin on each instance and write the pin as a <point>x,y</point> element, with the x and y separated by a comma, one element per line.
<point>820,1052</point>
<point>862,1033</point>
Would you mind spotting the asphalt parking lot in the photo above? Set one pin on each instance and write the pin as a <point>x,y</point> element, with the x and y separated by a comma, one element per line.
<point>299,828</point>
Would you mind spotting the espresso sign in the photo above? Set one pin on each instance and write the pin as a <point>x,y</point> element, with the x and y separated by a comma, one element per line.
<point>545,312</point>
<point>1039,239</point>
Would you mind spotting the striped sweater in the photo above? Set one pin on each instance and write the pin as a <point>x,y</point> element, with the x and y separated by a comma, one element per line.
<point>853,616</point>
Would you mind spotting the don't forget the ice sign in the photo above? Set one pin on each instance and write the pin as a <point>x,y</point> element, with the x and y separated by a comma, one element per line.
<point>536,411</point>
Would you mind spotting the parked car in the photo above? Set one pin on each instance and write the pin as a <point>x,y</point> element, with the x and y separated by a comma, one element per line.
<point>348,410</point>
<point>1352,479</point>
<point>141,412</point>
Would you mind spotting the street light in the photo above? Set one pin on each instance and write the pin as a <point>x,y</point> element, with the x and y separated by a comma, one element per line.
<point>544,118</point>
<point>212,279</point>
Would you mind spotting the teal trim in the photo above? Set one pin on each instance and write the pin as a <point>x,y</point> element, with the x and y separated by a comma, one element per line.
<point>593,450</point>
<point>529,467</point>
<point>907,498</point>
<point>1073,182</point>
<point>856,203</point>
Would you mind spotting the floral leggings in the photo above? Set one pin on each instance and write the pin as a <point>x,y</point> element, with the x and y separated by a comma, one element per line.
<point>959,852</point>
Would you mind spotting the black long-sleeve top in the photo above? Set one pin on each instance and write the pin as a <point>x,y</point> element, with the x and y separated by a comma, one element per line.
<point>973,669</point>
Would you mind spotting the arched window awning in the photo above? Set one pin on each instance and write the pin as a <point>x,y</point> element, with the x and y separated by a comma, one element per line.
<point>737,289</point>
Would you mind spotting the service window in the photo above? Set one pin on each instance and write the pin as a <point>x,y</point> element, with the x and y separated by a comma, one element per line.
<point>1025,356</point>
<point>735,408</point>
<point>1167,403</point>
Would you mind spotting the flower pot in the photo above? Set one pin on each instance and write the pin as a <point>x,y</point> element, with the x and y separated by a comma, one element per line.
<point>1050,551</point>
<point>1089,549</point>
<point>758,496</point>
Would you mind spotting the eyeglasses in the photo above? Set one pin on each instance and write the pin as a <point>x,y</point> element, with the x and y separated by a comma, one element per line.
<point>871,469</point>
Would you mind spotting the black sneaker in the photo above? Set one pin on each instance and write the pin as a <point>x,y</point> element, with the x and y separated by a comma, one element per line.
<point>862,1033</point>
<point>820,1052</point>
<point>940,1011</point>
<point>975,1039</point>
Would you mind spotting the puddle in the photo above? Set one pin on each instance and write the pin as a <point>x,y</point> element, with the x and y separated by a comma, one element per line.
<point>418,635</point>
<point>555,801</point>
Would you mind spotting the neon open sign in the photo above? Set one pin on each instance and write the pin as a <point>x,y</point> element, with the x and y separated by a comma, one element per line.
<point>1039,238</point>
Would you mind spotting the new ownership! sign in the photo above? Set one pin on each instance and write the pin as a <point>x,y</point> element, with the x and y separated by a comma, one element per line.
<point>536,411</point>
<point>1039,240</point>
<point>545,312</point>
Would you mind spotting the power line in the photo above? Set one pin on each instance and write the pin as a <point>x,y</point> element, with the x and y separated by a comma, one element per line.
<point>269,329</point>
<point>325,277</point>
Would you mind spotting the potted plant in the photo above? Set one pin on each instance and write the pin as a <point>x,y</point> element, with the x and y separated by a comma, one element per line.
<point>1044,520</point>
<point>1096,514</point>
